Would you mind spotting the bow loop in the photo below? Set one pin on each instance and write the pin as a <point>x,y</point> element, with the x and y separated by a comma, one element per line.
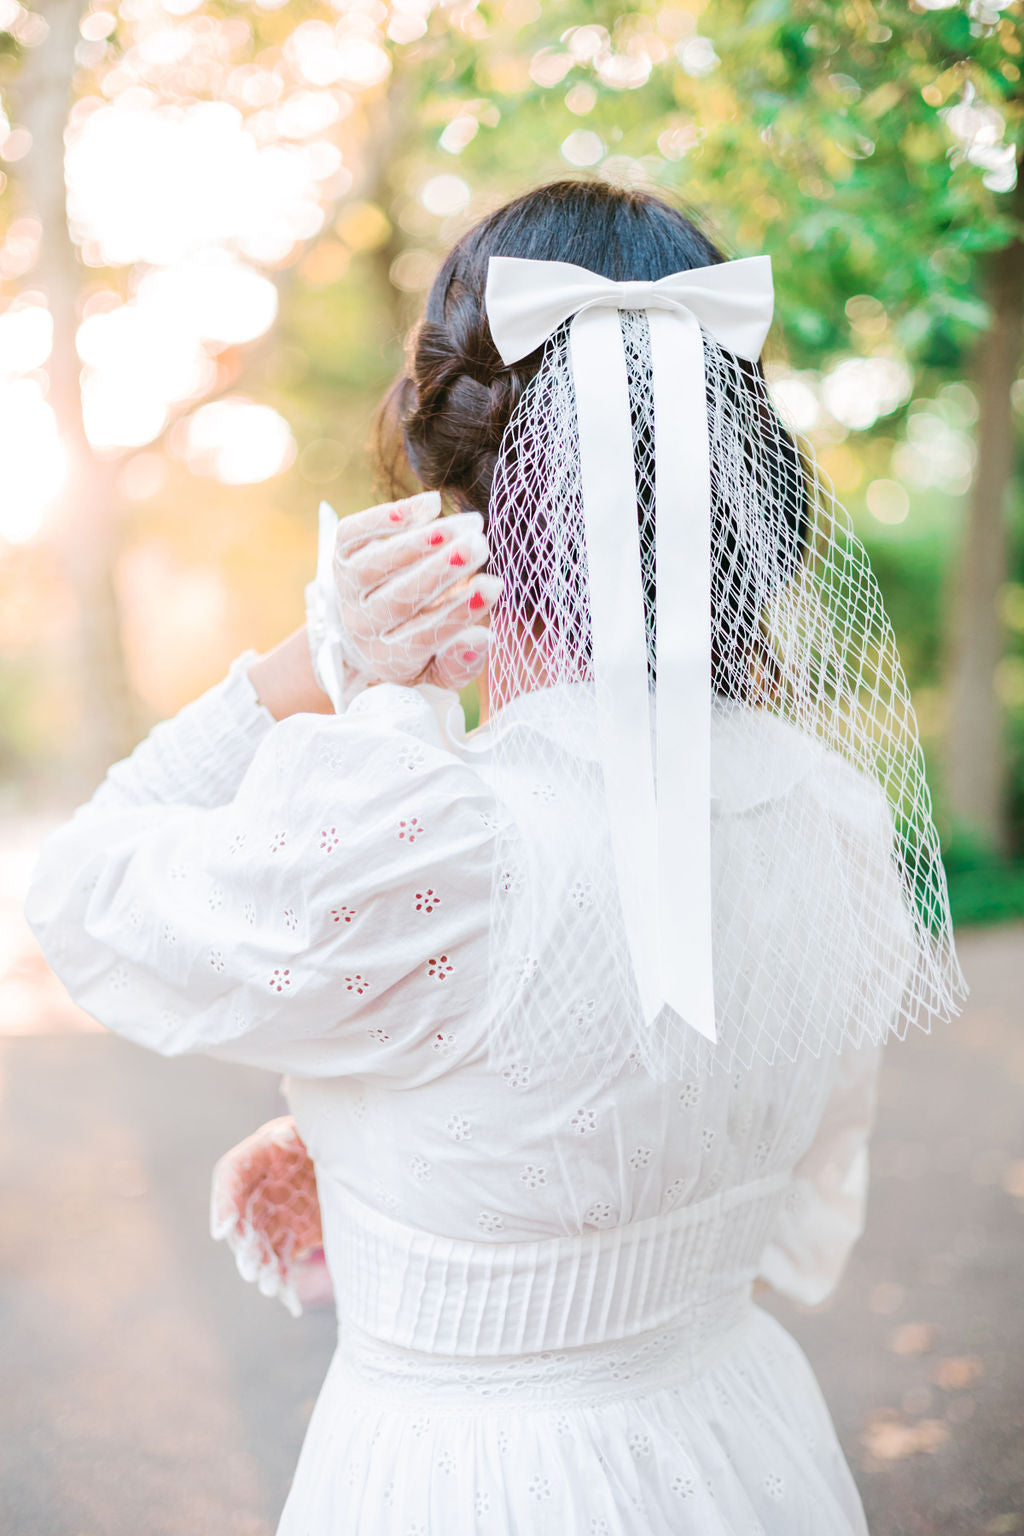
<point>658,794</point>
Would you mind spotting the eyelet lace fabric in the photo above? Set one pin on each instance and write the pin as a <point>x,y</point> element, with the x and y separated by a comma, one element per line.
<point>707,1426</point>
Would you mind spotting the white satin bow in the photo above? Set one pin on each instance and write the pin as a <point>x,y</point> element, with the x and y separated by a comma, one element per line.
<point>661,840</point>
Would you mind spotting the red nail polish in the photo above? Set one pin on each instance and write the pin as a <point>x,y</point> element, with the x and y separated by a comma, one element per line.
<point>469,655</point>
<point>395,516</point>
<point>455,558</point>
<point>477,600</point>
<point>436,538</point>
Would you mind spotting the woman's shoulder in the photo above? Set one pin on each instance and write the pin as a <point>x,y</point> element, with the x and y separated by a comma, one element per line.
<point>394,750</point>
<point>759,757</point>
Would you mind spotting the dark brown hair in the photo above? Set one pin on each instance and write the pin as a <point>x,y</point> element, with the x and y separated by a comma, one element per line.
<point>444,419</point>
<point>446,416</point>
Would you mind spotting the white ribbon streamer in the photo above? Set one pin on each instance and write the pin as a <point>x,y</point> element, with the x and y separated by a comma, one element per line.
<point>659,802</point>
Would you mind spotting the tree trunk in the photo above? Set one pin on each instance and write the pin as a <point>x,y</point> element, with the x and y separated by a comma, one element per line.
<point>85,521</point>
<point>976,746</point>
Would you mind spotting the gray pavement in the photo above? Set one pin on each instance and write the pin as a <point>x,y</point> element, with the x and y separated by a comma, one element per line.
<point>148,1392</point>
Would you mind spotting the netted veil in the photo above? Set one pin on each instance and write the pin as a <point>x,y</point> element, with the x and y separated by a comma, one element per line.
<point>821,883</point>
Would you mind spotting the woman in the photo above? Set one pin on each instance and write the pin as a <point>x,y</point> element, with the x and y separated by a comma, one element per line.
<point>549,1175</point>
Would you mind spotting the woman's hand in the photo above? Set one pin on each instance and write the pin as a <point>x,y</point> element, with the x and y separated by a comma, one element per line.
<point>412,597</point>
<point>264,1203</point>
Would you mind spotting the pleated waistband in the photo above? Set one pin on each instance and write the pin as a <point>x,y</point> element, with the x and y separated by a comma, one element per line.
<point>450,1296</point>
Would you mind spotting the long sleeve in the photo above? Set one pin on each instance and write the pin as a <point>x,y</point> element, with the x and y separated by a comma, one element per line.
<point>199,756</point>
<point>298,895</point>
<point>823,1215</point>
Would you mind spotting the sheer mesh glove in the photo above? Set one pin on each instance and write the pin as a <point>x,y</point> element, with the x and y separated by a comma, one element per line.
<point>399,596</point>
<point>263,1203</point>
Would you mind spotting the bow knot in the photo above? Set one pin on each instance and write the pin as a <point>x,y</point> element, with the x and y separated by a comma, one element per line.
<point>659,794</point>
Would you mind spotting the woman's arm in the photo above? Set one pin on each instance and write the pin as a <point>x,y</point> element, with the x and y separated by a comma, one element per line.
<point>284,680</point>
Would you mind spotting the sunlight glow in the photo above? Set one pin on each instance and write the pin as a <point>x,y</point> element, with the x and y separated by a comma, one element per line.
<point>26,336</point>
<point>33,459</point>
<point>238,441</point>
<point>861,389</point>
<point>160,184</point>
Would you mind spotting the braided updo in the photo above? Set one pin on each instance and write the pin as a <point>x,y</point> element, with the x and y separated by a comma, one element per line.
<point>445,418</point>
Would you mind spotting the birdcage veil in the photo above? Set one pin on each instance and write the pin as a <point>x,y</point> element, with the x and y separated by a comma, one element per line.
<point>817,899</point>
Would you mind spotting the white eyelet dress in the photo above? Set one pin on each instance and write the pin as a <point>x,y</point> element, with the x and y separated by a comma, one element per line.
<point>544,1288</point>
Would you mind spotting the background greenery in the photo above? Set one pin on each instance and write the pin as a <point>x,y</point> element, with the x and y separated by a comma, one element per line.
<point>870,147</point>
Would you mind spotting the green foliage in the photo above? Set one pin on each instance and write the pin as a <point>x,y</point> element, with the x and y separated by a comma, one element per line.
<point>983,888</point>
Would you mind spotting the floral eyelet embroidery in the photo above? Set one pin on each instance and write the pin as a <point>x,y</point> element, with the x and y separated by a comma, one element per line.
<point>443,1043</point>
<point>481,1503</point>
<point>640,1444</point>
<point>169,935</point>
<point>760,1154</point>
<point>489,1221</point>
<point>420,1168</point>
<point>280,979</point>
<point>675,1191</point>
<point>441,968</point>
<point>119,978</point>
<point>545,793</point>
<point>277,842</point>
<point>524,972</point>
<point>249,913</point>
<point>411,758</point>
<point>459,1128</point>
<point>342,914</point>
<point>216,959</point>
<point>215,900</point>
<point>516,1075</point>
<point>683,1487</point>
<point>689,1095</point>
<point>237,843</point>
<point>582,895</point>
<point>707,1138</point>
<point>446,1463</point>
<point>410,830</point>
<point>329,839</point>
<point>640,1158</point>
<point>426,901</point>
<point>380,1035</point>
<point>357,984</point>
<point>774,1486</point>
<point>539,1487</point>
<point>291,919</point>
<point>532,1176</point>
<point>178,872</point>
<point>510,881</point>
<point>598,1214</point>
<point>583,1012</point>
<point>583,1122</point>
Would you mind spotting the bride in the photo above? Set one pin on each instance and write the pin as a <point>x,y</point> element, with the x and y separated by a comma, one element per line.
<point>582,1011</point>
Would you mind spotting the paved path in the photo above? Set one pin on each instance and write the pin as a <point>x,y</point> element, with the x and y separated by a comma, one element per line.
<point>147,1392</point>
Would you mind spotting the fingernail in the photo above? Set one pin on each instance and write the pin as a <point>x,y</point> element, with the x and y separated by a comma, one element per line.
<point>456,557</point>
<point>470,656</point>
<point>395,515</point>
<point>435,538</point>
<point>486,591</point>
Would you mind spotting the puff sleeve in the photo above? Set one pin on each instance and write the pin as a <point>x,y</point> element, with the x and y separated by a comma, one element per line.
<point>823,1213</point>
<point>306,896</point>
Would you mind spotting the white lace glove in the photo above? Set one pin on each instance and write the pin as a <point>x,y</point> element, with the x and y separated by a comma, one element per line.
<point>399,597</point>
<point>263,1202</point>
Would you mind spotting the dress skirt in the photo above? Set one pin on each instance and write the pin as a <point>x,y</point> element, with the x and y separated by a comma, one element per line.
<point>648,1395</point>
